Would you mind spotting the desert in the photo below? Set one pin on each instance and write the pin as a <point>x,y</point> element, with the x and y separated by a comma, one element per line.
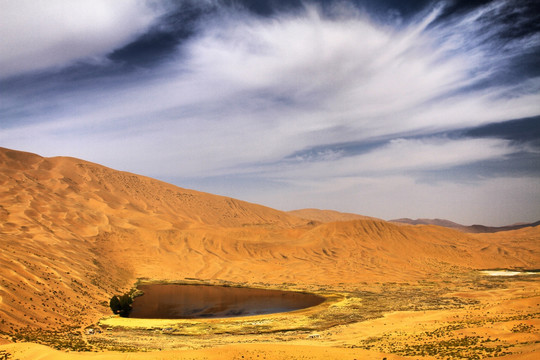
<point>269,179</point>
<point>75,233</point>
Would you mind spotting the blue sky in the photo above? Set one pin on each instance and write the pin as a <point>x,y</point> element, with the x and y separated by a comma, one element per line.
<point>383,108</point>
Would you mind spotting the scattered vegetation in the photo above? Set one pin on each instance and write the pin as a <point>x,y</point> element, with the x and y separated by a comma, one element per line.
<point>467,347</point>
<point>522,328</point>
<point>68,338</point>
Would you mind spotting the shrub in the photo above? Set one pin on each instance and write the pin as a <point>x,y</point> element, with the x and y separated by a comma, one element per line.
<point>121,305</point>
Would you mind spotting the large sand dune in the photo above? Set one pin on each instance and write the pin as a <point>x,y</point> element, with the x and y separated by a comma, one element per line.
<point>72,233</point>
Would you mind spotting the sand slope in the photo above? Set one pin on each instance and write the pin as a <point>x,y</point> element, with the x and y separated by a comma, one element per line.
<point>72,233</point>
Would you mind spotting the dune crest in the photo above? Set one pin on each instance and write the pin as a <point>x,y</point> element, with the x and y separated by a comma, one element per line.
<point>328,215</point>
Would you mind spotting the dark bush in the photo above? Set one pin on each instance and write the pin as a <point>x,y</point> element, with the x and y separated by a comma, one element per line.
<point>121,305</point>
<point>115,304</point>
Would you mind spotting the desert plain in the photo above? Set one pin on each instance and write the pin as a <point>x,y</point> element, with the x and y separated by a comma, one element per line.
<point>74,233</point>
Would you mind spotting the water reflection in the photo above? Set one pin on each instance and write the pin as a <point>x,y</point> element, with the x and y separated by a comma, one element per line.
<point>169,301</point>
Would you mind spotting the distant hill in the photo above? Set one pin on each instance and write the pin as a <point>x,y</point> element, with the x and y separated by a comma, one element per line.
<point>464,228</point>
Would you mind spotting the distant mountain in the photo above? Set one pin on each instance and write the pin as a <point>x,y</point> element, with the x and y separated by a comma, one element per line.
<point>477,229</point>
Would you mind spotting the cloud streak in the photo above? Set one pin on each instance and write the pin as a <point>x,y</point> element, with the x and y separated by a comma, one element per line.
<point>403,155</point>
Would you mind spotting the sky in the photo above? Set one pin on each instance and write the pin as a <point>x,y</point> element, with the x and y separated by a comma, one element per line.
<point>386,108</point>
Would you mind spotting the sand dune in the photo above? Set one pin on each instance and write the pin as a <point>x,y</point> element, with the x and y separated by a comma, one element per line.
<point>70,226</point>
<point>72,233</point>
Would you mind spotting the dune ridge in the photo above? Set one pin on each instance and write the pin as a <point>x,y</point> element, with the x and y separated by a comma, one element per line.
<point>74,232</point>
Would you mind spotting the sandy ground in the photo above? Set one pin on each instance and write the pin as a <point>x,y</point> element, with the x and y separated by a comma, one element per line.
<point>268,351</point>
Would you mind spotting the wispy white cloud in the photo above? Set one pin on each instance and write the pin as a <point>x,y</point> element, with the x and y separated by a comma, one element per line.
<point>37,35</point>
<point>399,156</point>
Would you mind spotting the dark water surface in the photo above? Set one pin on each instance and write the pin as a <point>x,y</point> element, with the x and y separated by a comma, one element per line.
<point>169,301</point>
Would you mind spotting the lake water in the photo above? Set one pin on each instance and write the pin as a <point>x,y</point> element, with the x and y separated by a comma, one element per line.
<point>170,301</point>
<point>506,272</point>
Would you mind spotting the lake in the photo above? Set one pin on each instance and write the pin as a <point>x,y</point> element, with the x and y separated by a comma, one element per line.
<point>172,301</point>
